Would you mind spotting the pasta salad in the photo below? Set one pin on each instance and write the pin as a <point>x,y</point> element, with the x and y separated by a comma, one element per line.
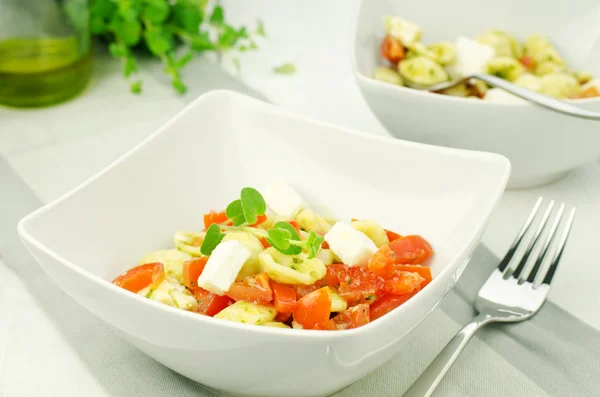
<point>534,64</point>
<point>269,259</point>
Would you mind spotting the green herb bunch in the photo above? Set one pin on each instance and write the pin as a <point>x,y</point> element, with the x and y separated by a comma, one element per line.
<point>244,212</point>
<point>172,30</point>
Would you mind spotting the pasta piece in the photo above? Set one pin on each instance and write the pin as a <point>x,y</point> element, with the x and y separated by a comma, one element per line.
<point>541,50</point>
<point>418,48</point>
<point>338,304</point>
<point>326,256</point>
<point>504,67</point>
<point>373,231</point>
<point>291,269</point>
<point>189,242</point>
<point>145,292</point>
<point>172,261</point>
<point>310,220</point>
<point>406,32</point>
<point>583,77</point>
<point>545,68</point>
<point>422,70</point>
<point>174,295</point>
<point>248,313</point>
<point>387,75</point>
<point>560,85</point>
<point>459,90</point>
<point>252,243</point>
<point>529,81</point>
<point>504,44</point>
<point>445,53</point>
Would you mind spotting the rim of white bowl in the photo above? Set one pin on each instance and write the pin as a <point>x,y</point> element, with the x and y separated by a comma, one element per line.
<point>292,333</point>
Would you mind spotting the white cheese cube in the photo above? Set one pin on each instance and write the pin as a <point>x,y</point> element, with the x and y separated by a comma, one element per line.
<point>283,200</point>
<point>354,248</point>
<point>406,32</point>
<point>498,95</point>
<point>223,266</point>
<point>471,56</point>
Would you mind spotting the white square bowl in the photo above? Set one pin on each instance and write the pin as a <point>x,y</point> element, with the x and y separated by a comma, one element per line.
<point>198,161</point>
<point>541,145</point>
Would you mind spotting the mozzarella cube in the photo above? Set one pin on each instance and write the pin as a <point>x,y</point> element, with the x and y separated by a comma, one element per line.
<point>498,95</point>
<point>471,56</point>
<point>223,266</point>
<point>283,200</point>
<point>406,32</point>
<point>354,248</point>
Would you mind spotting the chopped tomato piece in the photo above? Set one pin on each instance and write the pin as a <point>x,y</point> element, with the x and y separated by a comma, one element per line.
<point>259,219</point>
<point>400,283</point>
<point>302,290</point>
<point>392,49</point>
<point>423,271</point>
<point>284,297</point>
<point>382,262</point>
<point>214,217</point>
<point>253,289</point>
<point>283,317</point>
<point>354,317</point>
<point>192,269</point>
<point>140,277</point>
<point>387,303</point>
<point>313,309</point>
<point>411,250</point>
<point>591,92</point>
<point>354,283</point>
<point>210,304</point>
<point>527,61</point>
<point>392,235</point>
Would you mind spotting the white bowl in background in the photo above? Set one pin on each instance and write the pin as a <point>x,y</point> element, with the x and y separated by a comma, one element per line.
<point>199,161</point>
<point>541,145</point>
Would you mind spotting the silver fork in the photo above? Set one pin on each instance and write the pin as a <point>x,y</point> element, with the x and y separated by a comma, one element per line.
<point>550,103</point>
<point>507,296</point>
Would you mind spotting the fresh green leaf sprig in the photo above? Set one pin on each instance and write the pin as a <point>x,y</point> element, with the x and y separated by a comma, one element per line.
<point>171,30</point>
<point>245,212</point>
<point>285,239</point>
<point>241,212</point>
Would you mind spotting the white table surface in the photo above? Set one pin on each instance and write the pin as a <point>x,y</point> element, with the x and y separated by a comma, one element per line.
<point>57,148</point>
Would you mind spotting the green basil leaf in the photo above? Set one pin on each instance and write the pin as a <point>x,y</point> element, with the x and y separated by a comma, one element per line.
<point>201,42</point>
<point>212,239</point>
<point>102,8</point>
<point>235,212</point>
<point>128,32</point>
<point>156,11</point>
<point>253,204</point>
<point>280,238</point>
<point>314,243</point>
<point>217,16</point>
<point>159,40</point>
<point>291,248</point>
<point>187,16</point>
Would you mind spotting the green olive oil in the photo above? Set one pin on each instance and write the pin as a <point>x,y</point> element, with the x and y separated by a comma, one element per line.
<point>42,71</point>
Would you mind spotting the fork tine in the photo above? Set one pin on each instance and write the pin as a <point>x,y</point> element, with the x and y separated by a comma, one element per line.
<point>513,248</point>
<point>559,249</point>
<point>546,245</point>
<point>533,241</point>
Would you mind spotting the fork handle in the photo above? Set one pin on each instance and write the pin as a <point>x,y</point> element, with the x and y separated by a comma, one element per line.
<point>539,99</point>
<point>431,377</point>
